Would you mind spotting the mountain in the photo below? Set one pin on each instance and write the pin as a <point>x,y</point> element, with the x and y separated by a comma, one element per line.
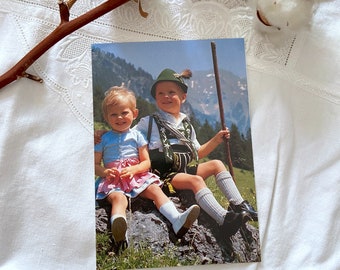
<point>109,70</point>
<point>202,102</point>
<point>202,95</point>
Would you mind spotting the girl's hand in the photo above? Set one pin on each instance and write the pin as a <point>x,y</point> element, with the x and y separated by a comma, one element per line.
<point>127,172</point>
<point>112,173</point>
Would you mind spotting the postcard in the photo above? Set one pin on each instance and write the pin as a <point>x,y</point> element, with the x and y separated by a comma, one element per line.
<point>174,181</point>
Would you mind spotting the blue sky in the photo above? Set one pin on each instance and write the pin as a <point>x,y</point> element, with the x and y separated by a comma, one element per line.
<point>196,55</point>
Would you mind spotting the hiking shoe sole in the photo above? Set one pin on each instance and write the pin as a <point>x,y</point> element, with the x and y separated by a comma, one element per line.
<point>118,229</point>
<point>194,212</point>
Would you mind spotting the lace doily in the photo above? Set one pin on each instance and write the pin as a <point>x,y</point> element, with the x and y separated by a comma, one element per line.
<point>167,20</point>
<point>47,129</point>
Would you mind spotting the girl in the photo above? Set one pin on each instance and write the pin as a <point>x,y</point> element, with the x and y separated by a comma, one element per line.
<point>125,173</point>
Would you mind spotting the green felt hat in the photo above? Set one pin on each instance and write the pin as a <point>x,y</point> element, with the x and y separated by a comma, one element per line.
<point>170,75</point>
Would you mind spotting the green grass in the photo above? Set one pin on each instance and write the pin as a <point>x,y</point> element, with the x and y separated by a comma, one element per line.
<point>133,258</point>
<point>100,126</point>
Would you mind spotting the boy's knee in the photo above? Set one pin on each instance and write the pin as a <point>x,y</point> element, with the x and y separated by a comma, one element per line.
<point>197,182</point>
<point>218,165</point>
<point>218,162</point>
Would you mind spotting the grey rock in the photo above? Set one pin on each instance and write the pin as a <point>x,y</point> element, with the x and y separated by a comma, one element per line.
<point>204,243</point>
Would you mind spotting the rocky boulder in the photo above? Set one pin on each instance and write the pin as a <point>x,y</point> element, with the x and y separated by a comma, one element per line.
<point>204,243</point>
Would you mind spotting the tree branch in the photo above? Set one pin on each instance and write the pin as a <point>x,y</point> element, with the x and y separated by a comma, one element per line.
<point>65,28</point>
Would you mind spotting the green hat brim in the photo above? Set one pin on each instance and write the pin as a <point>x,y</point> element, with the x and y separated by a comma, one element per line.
<point>168,75</point>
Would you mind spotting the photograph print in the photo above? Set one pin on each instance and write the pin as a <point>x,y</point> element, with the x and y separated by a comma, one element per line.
<point>174,173</point>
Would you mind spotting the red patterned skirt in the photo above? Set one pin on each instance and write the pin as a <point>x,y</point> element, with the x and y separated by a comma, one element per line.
<point>130,187</point>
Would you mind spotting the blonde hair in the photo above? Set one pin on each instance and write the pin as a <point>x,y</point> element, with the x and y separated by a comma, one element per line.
<point>116,95</point>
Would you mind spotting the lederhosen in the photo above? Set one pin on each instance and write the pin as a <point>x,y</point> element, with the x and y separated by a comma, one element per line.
<point>175,158</point>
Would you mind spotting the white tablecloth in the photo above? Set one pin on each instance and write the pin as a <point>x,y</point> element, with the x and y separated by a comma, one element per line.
<point>46,141</point>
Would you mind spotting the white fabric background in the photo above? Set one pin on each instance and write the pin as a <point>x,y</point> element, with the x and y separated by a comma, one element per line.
<point>46,141</point>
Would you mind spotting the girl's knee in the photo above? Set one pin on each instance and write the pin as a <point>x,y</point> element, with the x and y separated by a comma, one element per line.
<point>117,197</point>
<point>153,188</point>
<point>152,192</point>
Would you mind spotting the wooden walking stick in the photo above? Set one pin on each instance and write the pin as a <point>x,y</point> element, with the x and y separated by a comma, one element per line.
<point>220,104</point>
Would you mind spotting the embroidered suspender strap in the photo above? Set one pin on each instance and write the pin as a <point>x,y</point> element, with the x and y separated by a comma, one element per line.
<point>188,131</point>
<point>168,153</point>
<point>162,125</point>
<point>168,156</point>
<point>167,150</point>
<point>149,128</point>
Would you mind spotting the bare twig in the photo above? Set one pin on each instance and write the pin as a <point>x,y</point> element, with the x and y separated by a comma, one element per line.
<point>65,28</point>
<point>32,77</point>
<point>141,11</point>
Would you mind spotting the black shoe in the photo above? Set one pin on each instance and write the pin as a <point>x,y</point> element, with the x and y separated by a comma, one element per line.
<point>233,221</point>
<point>244,206</point>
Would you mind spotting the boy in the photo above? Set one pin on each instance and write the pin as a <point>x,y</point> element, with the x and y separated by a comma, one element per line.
<point>174,153</point>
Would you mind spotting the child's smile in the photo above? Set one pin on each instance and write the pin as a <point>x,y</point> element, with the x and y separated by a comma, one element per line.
<point>169,97</point>
<point>120,117</point>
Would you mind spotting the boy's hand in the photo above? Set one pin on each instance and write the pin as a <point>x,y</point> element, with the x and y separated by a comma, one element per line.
<point>222,135</point>
<point>98,135</point>
<point>210,145</point>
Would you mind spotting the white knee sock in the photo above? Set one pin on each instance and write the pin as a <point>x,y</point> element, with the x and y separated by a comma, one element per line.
<point>170,211</point>
<point>227,185</point>
<point>181,222</point>
<point>208,203</point>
